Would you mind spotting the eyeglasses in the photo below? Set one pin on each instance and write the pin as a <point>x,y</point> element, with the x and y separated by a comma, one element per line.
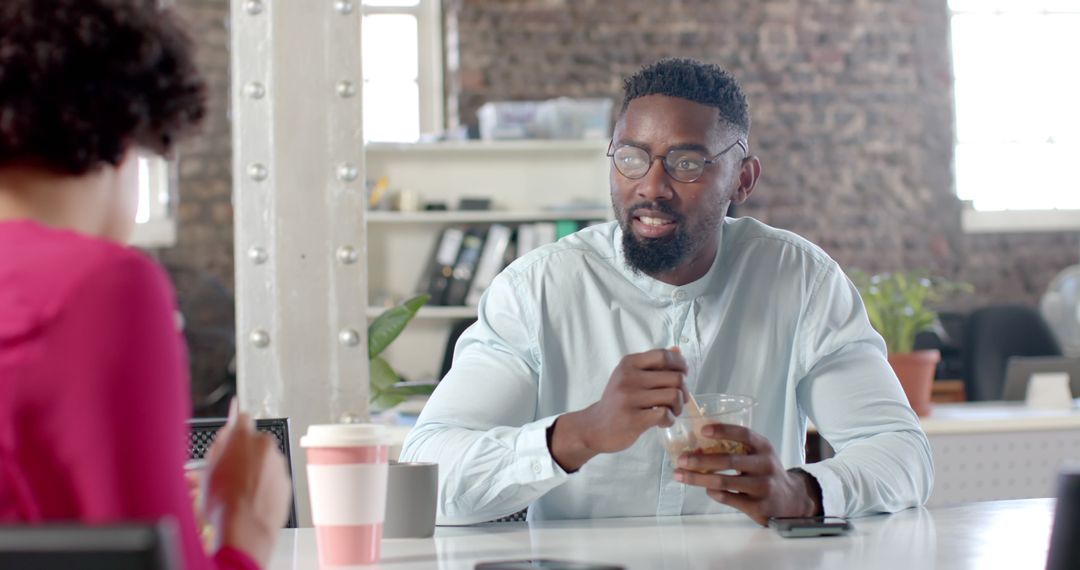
<point>683,165</point>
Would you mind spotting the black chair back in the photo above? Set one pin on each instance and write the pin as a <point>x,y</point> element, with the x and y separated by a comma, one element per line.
<point>515,517</point>
<point>993,335</point>
<point>203,430</point>
<point>1064,553</point>
<point>112,547</point>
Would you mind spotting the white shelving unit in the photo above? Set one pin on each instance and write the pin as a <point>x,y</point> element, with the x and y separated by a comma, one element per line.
<point>483,216</point>
<point>526,181</point>
<point>433,313</point>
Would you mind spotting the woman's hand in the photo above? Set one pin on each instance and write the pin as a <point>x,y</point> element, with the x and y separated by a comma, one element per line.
<point>247,488</point>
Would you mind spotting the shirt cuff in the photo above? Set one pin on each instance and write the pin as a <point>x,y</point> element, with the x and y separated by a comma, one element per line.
<point>832,491</point>
<point>536,459</point>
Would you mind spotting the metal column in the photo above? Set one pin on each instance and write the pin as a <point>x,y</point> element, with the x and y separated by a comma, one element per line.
<point>298,186</point>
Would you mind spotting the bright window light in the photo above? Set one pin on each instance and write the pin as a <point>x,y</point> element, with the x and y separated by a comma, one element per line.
<point>391,78</point>
<point>403,60</point>
<point>392,3</point>
<point>155,225</point>
<point>1017,117</point>
<point>142,215</point>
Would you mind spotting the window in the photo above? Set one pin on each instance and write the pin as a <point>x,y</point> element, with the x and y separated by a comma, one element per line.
<point>402,51</point>
<point>154,224</point>
<point>1017,90</point>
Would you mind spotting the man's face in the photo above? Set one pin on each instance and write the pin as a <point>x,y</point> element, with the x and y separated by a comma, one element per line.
<point>669,226</point>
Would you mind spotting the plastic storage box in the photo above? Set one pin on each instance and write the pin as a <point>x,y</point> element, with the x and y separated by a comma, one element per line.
<point>562,118</point>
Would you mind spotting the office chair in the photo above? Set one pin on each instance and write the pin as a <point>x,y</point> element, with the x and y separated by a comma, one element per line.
<point>1064,552</point>
<point>451,341</point>
<point>994,334</point>
<point>202,431</point>
<point>112,547</point>
<point>516,517</point>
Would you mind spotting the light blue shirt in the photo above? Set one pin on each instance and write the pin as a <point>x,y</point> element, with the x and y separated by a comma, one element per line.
<point>774,318</point>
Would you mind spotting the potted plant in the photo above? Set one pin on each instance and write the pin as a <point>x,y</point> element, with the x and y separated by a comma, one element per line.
<point>386,389</point>
<point>897,305</point>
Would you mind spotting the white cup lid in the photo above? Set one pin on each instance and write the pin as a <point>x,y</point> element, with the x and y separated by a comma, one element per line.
<point>345,435</point>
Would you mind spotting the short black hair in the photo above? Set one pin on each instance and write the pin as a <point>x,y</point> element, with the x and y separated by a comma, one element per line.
<point>693,80</point>
<point>82,81</point>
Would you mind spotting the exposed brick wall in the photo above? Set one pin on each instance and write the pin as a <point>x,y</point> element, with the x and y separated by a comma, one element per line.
<point>201,263</point>
<point>851,103</point>
<point>1005,268</point>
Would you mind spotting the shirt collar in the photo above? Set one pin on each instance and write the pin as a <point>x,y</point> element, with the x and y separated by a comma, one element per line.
<point>658,289</point>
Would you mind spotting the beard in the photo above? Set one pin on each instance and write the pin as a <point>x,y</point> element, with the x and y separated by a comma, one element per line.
<point>655,255</point>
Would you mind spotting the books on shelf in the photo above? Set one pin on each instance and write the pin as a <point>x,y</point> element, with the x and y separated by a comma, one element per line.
<point>441,269</point>
<point>465,267</point>
<point>545,233</point>
<point>492,261</point>
<point>468,257</point>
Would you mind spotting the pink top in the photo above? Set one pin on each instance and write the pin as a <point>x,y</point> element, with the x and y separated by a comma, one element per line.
<point>93,388</point>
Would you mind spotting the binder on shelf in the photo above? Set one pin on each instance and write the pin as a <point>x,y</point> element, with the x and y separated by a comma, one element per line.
<point>511,252</point>
<point>441,270</point>
<point>490,263</point>
<point>564,228</point>
<point>526,239</point>
<point>545,233</point>
<point>471,246</point>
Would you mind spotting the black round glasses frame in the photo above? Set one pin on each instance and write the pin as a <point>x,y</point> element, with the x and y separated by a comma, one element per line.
<point>669,167</point>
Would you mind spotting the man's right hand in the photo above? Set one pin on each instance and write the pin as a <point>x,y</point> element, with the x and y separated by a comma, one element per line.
<point>645,390</point>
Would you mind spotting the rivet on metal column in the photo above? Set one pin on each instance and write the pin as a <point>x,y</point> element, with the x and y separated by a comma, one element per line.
<point>298,194</point>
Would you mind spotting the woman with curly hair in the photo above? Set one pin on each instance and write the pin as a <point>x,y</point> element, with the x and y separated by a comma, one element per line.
<point>93,386</point>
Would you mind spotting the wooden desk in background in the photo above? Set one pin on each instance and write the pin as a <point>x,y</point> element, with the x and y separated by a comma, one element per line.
<point>948,391</point>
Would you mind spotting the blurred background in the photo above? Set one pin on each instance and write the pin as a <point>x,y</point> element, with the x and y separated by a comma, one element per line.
<point>926,135</point>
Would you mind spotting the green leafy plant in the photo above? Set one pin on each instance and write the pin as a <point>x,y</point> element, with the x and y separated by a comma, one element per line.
<point>898,304</point>
<point>386,390</point>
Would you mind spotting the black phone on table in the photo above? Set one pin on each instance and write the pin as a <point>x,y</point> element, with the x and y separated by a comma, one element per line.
<point>798,527</point>
<point>544,564</point>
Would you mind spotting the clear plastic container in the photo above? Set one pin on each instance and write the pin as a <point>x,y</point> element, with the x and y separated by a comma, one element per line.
<point>684,436</point>
<point>569,118</point>
<point>508,120</point>
<point>562,118</point>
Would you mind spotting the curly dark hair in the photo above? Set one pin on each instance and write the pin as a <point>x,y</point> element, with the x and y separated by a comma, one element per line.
<point>82,81</point>
<point>696,81</point>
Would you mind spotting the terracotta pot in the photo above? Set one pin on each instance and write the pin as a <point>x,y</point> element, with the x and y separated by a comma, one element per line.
<point>916,373</point>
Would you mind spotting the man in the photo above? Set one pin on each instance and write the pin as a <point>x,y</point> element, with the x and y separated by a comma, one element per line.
<point>554,393</point>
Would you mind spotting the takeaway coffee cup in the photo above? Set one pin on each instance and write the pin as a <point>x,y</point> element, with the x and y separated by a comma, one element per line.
<point>411,498</point>
<point>347,472</point>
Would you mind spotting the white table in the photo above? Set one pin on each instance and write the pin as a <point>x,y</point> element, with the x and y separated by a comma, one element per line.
<point>1011,535</point>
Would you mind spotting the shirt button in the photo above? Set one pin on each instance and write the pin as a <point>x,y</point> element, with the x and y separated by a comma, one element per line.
<point>683,340</point>
<point>536,468</point>
<point>679,295</point>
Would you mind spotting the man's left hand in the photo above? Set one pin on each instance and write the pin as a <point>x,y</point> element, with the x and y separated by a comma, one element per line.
<point>761,488</point>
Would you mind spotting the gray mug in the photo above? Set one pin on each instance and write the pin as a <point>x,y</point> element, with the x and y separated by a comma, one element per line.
<point>411,495</point>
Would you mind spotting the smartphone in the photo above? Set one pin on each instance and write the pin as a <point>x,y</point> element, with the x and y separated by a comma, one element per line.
<point>798,527</point>
<point>544,564</point>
